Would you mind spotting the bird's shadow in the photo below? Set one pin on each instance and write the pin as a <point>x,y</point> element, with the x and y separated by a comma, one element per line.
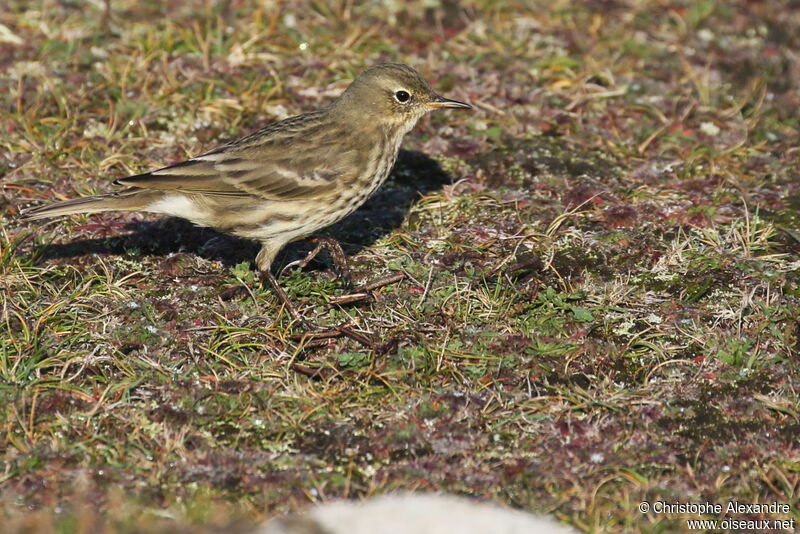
<point>415,174</point>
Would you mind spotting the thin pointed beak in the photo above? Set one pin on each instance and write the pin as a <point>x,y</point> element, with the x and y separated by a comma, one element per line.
<point>442,102</point>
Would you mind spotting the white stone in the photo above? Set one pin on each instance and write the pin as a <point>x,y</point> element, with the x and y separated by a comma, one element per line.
<point>413,514</point>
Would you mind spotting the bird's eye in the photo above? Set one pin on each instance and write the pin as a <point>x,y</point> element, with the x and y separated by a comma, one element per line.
<point>402,96</point>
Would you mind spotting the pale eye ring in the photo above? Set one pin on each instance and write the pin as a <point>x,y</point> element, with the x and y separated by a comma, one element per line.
<point>402,96</point>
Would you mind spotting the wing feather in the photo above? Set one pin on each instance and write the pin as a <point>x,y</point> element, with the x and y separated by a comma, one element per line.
<point>294,161</point>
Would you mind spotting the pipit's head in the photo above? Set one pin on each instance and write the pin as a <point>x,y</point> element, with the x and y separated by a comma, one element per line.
<point>393,93</point>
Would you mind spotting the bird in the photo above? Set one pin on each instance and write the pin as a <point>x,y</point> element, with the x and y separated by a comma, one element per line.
<point>290,179</point>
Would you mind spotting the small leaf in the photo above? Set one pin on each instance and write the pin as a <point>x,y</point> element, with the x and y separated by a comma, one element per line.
<point>582,314</point>
<point>352,359</point>
<point>243,272</point>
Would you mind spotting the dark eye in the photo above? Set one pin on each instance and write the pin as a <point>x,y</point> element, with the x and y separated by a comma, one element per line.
<point>402,96</point>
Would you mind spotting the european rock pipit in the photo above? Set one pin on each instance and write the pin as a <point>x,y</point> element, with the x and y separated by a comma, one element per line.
<point>290,179</point>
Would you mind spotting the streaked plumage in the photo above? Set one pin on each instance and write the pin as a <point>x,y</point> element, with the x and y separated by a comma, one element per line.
<point>290,179</point>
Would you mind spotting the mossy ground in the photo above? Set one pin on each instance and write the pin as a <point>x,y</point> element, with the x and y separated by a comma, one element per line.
<point>600,303</point>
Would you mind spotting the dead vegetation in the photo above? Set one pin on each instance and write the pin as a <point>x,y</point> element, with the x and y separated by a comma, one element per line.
<point>601,291</point>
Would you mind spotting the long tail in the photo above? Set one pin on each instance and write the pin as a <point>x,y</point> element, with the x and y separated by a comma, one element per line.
<point>132,199</point>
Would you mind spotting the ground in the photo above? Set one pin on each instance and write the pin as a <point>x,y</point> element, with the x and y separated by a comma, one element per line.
<point>600,292</point>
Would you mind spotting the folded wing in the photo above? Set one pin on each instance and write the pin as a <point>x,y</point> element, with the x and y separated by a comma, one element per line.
<point>298,160</point>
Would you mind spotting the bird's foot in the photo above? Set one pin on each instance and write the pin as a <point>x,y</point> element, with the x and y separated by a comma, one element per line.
<point>342,330</point>
<point>364,291</point>
<point>287,303</point>
<point>338,257</point>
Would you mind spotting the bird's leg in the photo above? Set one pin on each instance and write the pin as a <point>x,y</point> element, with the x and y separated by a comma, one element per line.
<point>314,331</point>
<point>337,256</point>
<point>301,263</point>
<point>365,291</point>
<point>284,298</point>
<point>360,293</point>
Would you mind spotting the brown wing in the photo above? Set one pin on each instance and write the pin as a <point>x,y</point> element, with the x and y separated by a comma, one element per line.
<point>298,157</point>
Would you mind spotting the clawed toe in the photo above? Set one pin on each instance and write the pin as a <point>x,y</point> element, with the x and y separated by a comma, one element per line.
<point>337,256</point>
<point>364,292</point>
<point>355,293</point>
